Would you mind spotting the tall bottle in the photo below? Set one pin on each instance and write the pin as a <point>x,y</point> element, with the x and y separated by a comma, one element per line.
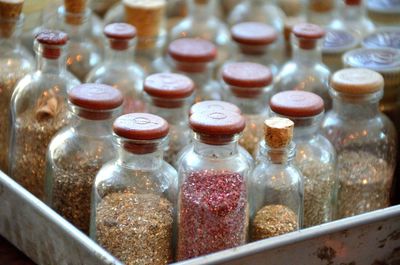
<point>168,97</point>
<point>315,155</point>
<point>137,192</point>
<point>276,185</point>
<point>364,139</point>
<point>39,111</point>
<point>305,71</point>
<point>119,68</point>
<point>76,153</point>
<point>15,63</point>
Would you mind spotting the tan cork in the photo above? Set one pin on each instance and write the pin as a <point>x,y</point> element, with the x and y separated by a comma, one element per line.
<point>322,6</point>
<point>75,11</point>
<point>10,10</point>
<point>278,132</point>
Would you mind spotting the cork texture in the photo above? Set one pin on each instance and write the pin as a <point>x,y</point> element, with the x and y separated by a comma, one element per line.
<point>278,132</point>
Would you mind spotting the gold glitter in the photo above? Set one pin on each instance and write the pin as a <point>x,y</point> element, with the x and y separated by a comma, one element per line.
<point>253,133</point>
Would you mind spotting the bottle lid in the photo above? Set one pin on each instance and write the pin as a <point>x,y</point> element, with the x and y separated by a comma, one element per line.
<point>290,22</point>
<point>191,50</point>
<point>308,34</point>
<point>278,132</point>
<point>52,40</point>
<point>119,35</point>
<point>253,33</point>
<point>338,41</point>
<point>353,2</point>
<point>75,6</point>
<point>95,97</point>
<point>214,105</point>
<point>141,126</point>
<point>384,38</point>
<point>295,103</point>
<point>382,60</point>
<point>357,81</point>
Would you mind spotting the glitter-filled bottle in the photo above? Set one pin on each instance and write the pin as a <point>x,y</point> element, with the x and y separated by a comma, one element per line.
<point>315,155</point>
<point>76,153</point>
<point>276,185</point>
<point>195,59</point>
<point>364,139</point>
<point>39,111</point>
<point>168,96</point>
<point>248,86</point>
<point>134,195</point>
<point>212,202</point>
<point>305,71</point>
<point>352,16</point>
<point>119,68</point>
<point>15,63</point>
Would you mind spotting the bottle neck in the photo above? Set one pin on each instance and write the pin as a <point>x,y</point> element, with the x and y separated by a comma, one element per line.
<point>50,65</point>
<point>306,127</point>
<point>282,156</point>
<point>10,32</point>
<point>251,106</point>
<point>306,56</point>
<point>352,12</point>
<point>93,128</point>
<point>77,26</point>
<point>215,147</point>
<point>201,8</point>
<point>174,116</point>
<point>120,56</point>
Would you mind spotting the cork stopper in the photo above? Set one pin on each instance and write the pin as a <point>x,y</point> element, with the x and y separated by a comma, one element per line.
<point>119,35</point>
<point>321,6</point>
<point>52,42</point>
<point>308,34</point>
<point>75,11</point>
<point>253,37</point>
<point>357,81</point>
<point>214,105</point>
<point>147,16</point>
<point>10,11</point>
<point>278,132</point>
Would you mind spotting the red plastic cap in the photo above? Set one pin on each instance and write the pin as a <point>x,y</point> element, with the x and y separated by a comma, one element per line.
<point>52,40</point>
<point>119,35</point>
<point>296,103</point>
<point>214,105</point>
<point>217,122</point>
<point>308,34</point>
<point>191,50</point>
<point>246,75</point>
<point>253,33</point>
<point>168,86</point>
<point>141,126</point>
<point>95,97</point>
<point>353,2</point>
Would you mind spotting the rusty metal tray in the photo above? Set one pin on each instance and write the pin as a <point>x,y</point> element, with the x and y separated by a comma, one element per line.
<point>45,237</point>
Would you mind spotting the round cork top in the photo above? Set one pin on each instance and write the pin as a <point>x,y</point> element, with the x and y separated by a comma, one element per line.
<point>168,86</point>
<point>214,105</point>
<point>95,97</point>
<point>141,126</point>
<point>253,33</point>
<point>246,75</point>
<point>353,2</point>
<point>217,122</point>
<point>52,37</point>
<point>357,81</point>
<point>120,31</point>
<point>308,31</point>
<point>385,38</point>
<point>192,50</point>
<point>296,103</point>
<point>382,60</point>
<point>278,132</point>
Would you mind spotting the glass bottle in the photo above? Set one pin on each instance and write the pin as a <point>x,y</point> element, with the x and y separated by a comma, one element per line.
<point>202,22</point>
<point>315,155</point>
<point>194,58</point>
<point>119,69</point>
<point>137,192</point>
<point>212,201</point>
<point>255,44</point>
<point>321,12</point>
<point>76,153</point>
<point>364,139</point>
<point>384,13</point>
<point>351,16</point>
<point>168,97</point>
<point>276,185</point>
<point>39,111</point>
<point>15,63</point>
<point>305,71</point>
<point>248,86</point>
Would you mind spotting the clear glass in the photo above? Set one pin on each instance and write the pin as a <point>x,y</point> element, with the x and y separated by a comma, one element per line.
<point>38,112</point>
<point>119,70</point>
<point>305,71</point>
<point>203,22</point>
<point>321,12</point>
<point>74,157</point>
<point>353,19</point>
<point>212,204</point>
<point>15,63</point>
<point>365,142</point>
<point>135,192</point>
<point>102,6</point>
<point>276,189</point>
<point>227,6</point>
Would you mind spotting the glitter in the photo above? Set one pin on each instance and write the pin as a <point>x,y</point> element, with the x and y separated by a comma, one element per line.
<point>253,133</point>
<point>213,213</point>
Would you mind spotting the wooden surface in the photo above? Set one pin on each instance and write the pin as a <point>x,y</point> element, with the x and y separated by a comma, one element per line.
<point>9,255</point>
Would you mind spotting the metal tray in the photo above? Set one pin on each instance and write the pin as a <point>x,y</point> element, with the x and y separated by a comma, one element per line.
<point>45,237</point>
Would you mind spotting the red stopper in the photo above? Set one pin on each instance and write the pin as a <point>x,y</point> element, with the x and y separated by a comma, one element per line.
<point>119,35</point>
<point>297,103</point>
<point>353,2</point>
<point>214,105</point>
<point>52,40</point>
<point>308,35</point>
<point>253,33</point>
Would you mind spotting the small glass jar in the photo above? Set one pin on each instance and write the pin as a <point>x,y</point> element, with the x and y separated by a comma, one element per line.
<point>212,203</point>
<point>15,63</point>
<point>276,185</point>
<point>315,155</point>
<point>335,44</point>
<point>76,153</point>
<point>385,37</point>
<point>39,111</point>
<point>321,12</point>
<point>134,195</point>
<point>384,13</point>
<point>255,44</point>
<point>248,86</point>
<point>119,68</point>
<point>168,97</point>
<point>305,71</point>
<point>195,59</point>
<point>351,16</point>
<point>364,139</point>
